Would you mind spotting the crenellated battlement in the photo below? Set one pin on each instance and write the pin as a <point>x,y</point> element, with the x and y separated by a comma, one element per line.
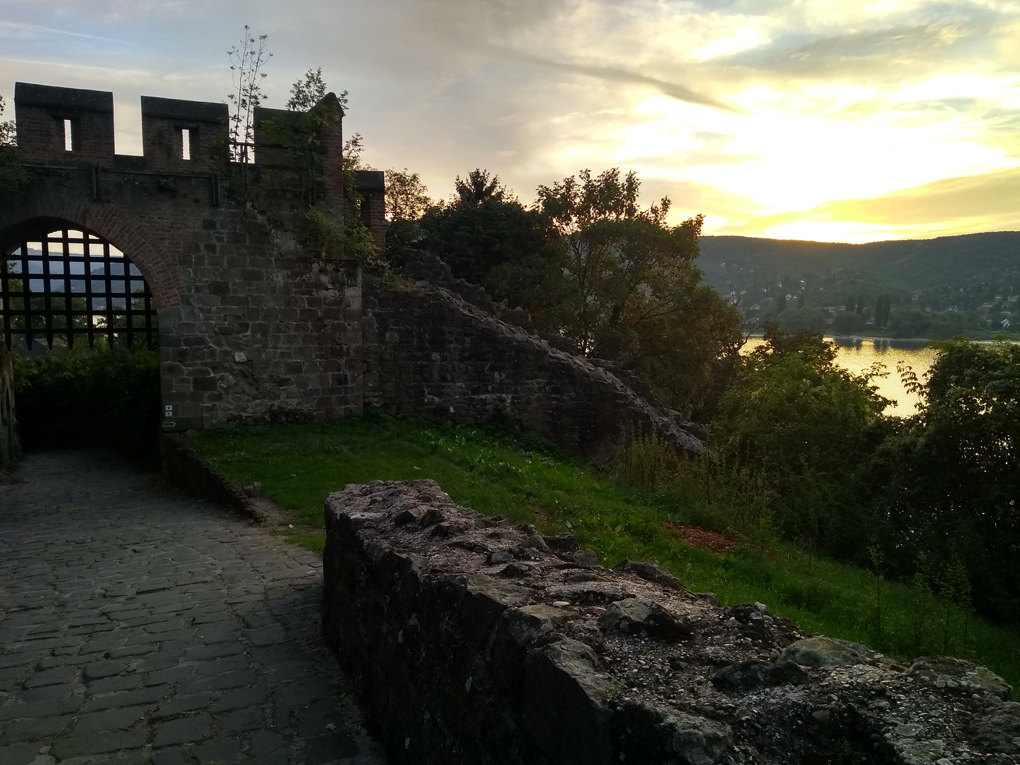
<point>182,135</point>
<point>50,120</point>
<point>73,126</point>
<point>61,127</point>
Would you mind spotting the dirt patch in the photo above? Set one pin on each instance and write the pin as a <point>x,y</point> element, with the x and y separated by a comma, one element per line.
<point>699,537</point>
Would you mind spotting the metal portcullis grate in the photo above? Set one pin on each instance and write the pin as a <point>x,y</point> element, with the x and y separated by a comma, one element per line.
<point>70,284</point>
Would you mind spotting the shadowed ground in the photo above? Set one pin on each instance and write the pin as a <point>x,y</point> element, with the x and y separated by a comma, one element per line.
<point>137,625</point>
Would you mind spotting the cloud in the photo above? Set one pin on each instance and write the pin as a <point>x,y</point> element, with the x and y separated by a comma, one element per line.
<point>990,201</point>
<point>11,30</point>
<point>615,74</point>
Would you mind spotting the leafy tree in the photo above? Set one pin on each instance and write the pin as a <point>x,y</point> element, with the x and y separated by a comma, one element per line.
<point>8,134</point>
<point>802,320</point>
<point>780,303</point>
<point>807,425</point>
<point>12,178</point>
<point>488,237</point>
<point>951,477</point>
<point>910,320</point>
<point>407,197</point>
<point>846,323</point>
<point>634,292</point>
<point>309,90</point>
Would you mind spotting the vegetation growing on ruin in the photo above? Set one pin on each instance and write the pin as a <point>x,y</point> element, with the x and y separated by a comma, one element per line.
<point>609,506</point>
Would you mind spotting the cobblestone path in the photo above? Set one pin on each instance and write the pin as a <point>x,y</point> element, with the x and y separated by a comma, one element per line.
<point>138,626</point>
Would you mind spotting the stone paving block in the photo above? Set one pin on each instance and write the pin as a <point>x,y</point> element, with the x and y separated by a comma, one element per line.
<point>56,676</point>
<point>218,682</point>
<point>242,697</point>
<point>182,704</point>
<point>18,754</point>
<point>111,719</point>
<point>218,751</point>
<point>161,660</point>
<point>267,635</point>
<point>50,692</point>
<point>236,663</point>
<point>111,684</point>
<point>34,646</point>
<point>251,718</point>
<point>214,651</point>
<point>173,756</point>
<point>39,728</point>
<point>212,616</point>
<point>280,757</point>
<point>103,669</point>
<point>97,743</point>
<point>172,625</point>
<point>39,709</point>
<point>267,742</point>
<point>171,675</point>
<point>218,632</point>
<point>183,731</point>
<point>91,629</point>
<point>130,650</point>
<point>127,698</point>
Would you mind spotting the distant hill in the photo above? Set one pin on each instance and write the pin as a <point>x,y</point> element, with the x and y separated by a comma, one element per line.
<point>976,277</point>
<point>911,265</point>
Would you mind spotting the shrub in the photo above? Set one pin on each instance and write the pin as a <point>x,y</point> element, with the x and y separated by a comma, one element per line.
<point>78,397</point>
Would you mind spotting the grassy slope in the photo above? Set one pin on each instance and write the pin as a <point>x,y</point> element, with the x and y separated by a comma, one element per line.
<point>525,480</point>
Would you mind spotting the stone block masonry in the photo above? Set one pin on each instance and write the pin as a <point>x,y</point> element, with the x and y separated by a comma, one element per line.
<point>428,351</point>
<point>469,640</point>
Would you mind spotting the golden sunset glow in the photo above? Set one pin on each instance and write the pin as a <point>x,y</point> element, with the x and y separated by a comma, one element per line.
<point>813,119</point>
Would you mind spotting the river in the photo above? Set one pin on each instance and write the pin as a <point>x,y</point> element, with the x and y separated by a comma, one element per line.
<point>857,355</point>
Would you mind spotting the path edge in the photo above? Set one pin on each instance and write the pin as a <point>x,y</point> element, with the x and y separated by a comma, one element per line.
<point>186,468</point>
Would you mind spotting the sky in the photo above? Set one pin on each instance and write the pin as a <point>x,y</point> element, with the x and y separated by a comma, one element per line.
<point>793,119</point>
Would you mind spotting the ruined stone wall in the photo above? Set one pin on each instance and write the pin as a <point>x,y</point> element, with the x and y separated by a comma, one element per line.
<point>472,641</point>
<point>9,445</point>
<point>429,352</point>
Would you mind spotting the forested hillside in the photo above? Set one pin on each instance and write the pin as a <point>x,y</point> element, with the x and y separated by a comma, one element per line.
<point>937,287</point>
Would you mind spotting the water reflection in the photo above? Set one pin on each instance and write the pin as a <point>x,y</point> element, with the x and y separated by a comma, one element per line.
<point>858,355</point>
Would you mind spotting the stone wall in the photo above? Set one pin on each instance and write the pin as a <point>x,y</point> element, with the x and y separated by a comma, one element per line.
<point>469,640</point>
<point>429,352</point>
<point>251,324</point>
<point>9,446</point>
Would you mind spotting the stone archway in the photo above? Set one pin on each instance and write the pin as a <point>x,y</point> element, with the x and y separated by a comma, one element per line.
<point>63,207</point>
<point>63,283</point>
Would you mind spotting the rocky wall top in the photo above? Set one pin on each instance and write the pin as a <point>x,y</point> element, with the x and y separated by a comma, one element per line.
<point>471,640</point>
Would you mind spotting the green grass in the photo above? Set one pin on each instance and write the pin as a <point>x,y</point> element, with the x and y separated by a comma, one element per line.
<point>526,480</point>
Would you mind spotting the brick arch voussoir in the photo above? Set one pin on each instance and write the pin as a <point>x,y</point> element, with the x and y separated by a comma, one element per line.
<point>120,229</point>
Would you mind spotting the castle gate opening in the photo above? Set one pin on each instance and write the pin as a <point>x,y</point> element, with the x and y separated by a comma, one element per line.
<point>78,315</point>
